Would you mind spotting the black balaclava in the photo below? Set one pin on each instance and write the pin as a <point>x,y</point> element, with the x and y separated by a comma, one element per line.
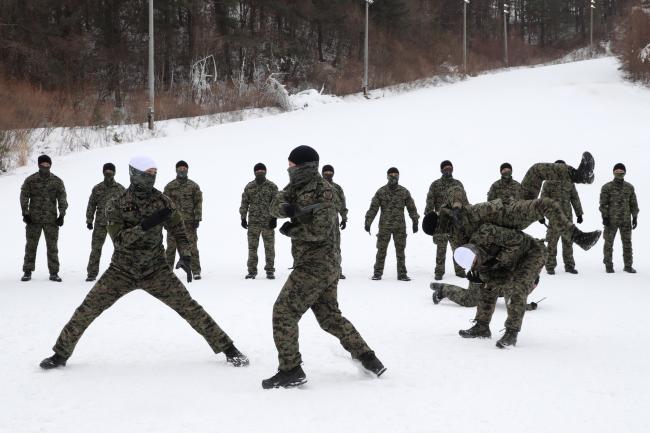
<point>446,168</point>
<point>181,174</point>
<point>327,169</point>
<point>142,182</point>
<point>507,176</point>
<point>619,176</point>
<point>109,173</point>
<point>260,172</point>
<point>44,171</point>
<point>393,180</point>
<point>306,168</point>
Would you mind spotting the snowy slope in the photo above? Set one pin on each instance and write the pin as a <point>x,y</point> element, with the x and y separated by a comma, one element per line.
<point>582,360</point>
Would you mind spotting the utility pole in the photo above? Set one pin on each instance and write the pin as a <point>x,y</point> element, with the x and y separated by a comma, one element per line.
<point>506,12</point>
<point>465,3</point>
<point>150,117</point>
<point>365,50</point>
<point>591,26</point>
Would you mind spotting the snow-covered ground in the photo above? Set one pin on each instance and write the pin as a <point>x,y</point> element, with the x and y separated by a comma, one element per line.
<point>581,363</point>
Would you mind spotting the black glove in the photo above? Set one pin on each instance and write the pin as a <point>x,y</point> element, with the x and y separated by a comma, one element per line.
<point>542,221</point>
<point>533,305</point>
<point>579,219</point>
<point>156,218</point>
<point>415,227</point>
<point>474,277</point>
<point>286,228</point>
<point>606,221</point>
<point>290,210</point>
<point>90,226</point>
<point>196,224</point>
<point>343,224</point>
<point>633,223</point>
<point>59,221</point>
<point>273,223</point>
<point>185,263</point>
<point>244,224</point>
<point>367,228</point>
<point>27,219</point>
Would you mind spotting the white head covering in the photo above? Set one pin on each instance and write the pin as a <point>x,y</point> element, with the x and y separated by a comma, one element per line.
<point>142,163</point>
<point>464,257</point>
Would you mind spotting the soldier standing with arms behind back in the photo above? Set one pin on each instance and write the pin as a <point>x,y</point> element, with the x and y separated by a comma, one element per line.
<point>618,204</point>
<point>566,195</point>
<point>188,198</point>
<point>392,198</point>
<point>255,203</point>
<point>100,196</point>
<point>39,196</point>
<point>341,208</point>
<point>439,195</point>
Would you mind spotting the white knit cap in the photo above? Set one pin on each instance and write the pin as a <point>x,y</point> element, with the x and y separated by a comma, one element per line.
<point>464,257</point>
<point>142,163</point>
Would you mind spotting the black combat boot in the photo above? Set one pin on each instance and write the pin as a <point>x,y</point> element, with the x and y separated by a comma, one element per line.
<point>376,276</point>
<point>235,357</point>
<point>371,363</point>
<point>571,270</point>
<point>609,269</point>
<point>90,278</point>
<point>197,276</point>
<point>550,271</point>
<point>55,277</point>
<point>585,240</point>
<point>509,339</point>
<point>53,361</point>
<point>479,330</point>
<point>438,277</point>
<point>403,277</point>
<point>286,379</point>
<point>270,276</point>
<point>250,276</point>
<point>26,276</point>
<point>629,269</point>
<point>438,293</point>
<point>341,277</point>
<point>585,171</point>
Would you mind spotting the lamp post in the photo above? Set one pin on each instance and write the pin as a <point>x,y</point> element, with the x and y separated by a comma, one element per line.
<point>465,3</point>
<point>506,11</point>
<point>365,50</point>
<point>150,115</point>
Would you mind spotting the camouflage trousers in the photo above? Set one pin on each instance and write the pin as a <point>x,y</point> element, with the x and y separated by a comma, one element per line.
<point>164,286</point>
<point>516,290</point>
<point>522,213</point>
<point>441,242</point>
<point>268,236</point>
<point>470,296</point>
<point>33,235</point>
<point>172,246</point>
<point>626,238</point>
<point>552,237</point>
<point>337,236</point>
<point>531,184</point>
<point>99,237</point>
<point>383,239</point>
<point>311,288</point>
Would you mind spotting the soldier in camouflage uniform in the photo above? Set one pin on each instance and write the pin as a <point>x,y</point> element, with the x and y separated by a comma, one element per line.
<point>392,198</point>
<point>101,194</point>
<point>538,173</point>
<point>309,201</point>
<point>39,196</point>
<point>618,204</point>
<point>188,198</point>
<point>566,195</point>
<point>468,297</point>
<point>507,189</point>
<point>341,208</point>
<point>135,223</point>
<point>501,259</point>
<point>255,202</point>
<point>439,195</point>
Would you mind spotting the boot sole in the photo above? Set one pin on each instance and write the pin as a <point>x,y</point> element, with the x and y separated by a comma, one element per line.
<point>293,384</point>
<point>475,336</point>
<point>505,346</point>
<point>588,160</point>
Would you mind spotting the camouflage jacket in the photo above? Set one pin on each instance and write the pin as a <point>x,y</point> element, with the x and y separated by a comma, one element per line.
<point>100,196</point>
<point>565,194</point>
<point>392,201</point>
<point>313,243</point>
<point>187,197</point>
<point>439,193</point>
<point>505,189</point>
<point>140,253</point>
<point>39,196</point>
<point>255,202</point>
<point>339,199</point>
<point>501,251</point>
<point>618,202</point>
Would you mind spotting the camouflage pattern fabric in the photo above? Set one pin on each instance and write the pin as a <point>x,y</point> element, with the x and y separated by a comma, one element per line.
<point>255,204</point>
<point>470,296</point>
<point>531,184</point>
<point>313,282</point>
<point>138,262</point>
<point>341,208</point>
<point>391,199</point>
<point>618,204</point>
<point>507,189</point>
<point>566,195</point>
<point>268,236</point>
<point>511,261</point>
<point>101,194</point>
<point>188,199</point>
<point>39,196</point>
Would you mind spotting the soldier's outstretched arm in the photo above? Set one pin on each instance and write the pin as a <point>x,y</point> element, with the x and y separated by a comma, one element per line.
<point>62,198</point>
<point>374,208</point>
